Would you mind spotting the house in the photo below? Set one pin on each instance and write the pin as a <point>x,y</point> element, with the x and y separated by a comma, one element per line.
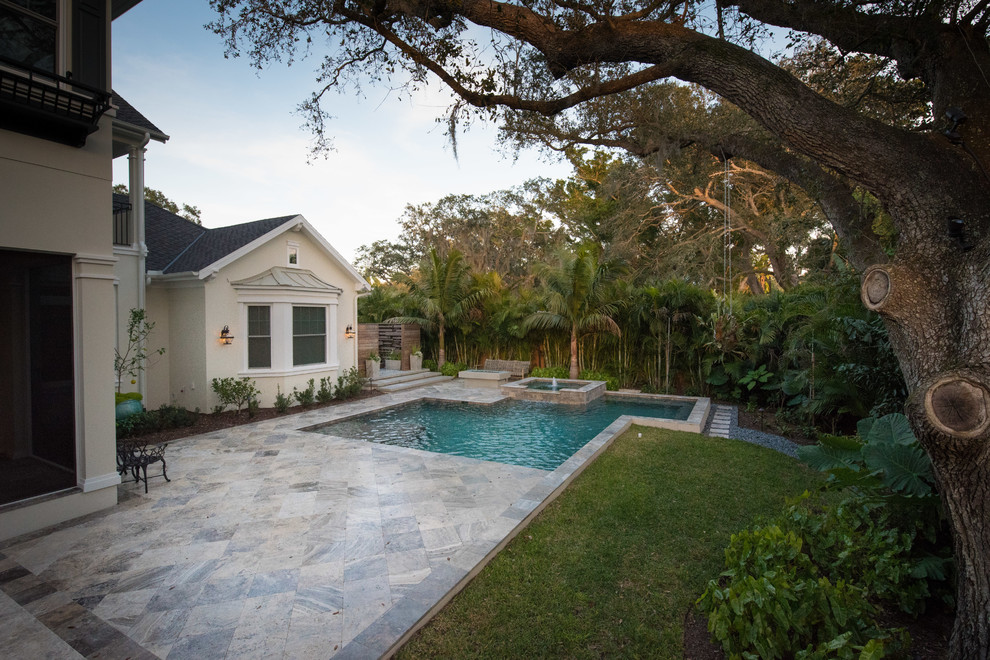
<point>270,300</point>
<point>57,452</point>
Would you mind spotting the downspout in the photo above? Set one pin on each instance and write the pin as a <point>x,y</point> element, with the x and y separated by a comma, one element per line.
<point>136,194</point>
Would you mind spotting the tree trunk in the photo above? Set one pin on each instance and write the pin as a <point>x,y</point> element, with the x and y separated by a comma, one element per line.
<point>440,352</point>
<point>667,347</point>
<point>574,353</point>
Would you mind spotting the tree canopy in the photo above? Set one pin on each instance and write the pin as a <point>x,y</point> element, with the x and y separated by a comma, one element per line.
<point>928,172</point>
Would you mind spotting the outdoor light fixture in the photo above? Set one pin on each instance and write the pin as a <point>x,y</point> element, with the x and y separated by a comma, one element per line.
<point>349,332</point>
<point>957,233</point>
<point>225,337</point>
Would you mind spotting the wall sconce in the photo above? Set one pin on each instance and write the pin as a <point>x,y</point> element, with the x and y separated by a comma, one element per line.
<point>225,337</point>
<point>349,332</point>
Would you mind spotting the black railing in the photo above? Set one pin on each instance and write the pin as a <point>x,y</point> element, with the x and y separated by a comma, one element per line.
<point>122,223</point>
<point>49,106</point>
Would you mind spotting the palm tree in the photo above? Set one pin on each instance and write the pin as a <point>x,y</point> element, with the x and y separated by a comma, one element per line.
<point>441,290</point>
<point>574,299</point>
<point>665,307</point>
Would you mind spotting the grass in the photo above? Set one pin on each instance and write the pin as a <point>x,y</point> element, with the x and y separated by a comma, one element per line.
<point>612,566</point>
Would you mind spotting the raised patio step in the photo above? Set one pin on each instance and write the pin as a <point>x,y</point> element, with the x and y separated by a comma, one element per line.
<point>425,380</point>
<point>391,377</point>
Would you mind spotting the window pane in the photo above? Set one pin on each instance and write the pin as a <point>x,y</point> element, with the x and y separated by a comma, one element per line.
<point>259,321</point>
<point>309,350</point>
<point>259,352</point>
<point>309,321</point>
<point>27,40</point>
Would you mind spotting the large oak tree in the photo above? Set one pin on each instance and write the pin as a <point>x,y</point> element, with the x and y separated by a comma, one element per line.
<point>547,56</point>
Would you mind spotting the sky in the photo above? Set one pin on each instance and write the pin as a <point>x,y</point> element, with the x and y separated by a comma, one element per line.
<point>237,149</point>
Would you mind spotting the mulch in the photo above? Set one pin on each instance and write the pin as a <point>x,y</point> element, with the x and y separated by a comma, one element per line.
<point>209,422</point>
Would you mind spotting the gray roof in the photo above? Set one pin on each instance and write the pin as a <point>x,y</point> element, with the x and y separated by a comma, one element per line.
<point>177,245</point>
<point>128,114</point>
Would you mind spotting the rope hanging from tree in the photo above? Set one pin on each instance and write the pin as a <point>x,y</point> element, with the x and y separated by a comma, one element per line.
<point>726,231</point>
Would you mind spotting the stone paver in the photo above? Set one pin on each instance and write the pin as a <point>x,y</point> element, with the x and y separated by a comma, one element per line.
<point>268,542</point>
<point>272,542</point>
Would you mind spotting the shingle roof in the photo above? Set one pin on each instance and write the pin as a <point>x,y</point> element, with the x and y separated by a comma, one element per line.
<point>177,245</point>
<point>127,113</point>
<point>216,244</point>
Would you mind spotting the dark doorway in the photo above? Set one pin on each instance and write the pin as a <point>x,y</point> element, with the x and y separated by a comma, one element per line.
<point>37,396</point>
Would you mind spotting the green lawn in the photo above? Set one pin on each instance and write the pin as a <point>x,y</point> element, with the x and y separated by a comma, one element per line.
<point>610,567</point>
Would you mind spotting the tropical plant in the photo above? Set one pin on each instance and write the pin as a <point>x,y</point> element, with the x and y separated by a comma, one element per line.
<point>442,293</point>
<point>574,299</point>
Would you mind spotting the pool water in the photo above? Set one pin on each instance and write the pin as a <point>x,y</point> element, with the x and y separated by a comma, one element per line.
<point>527,433</point>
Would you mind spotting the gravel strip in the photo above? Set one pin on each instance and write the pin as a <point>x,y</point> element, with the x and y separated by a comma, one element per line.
<point>752,436</point>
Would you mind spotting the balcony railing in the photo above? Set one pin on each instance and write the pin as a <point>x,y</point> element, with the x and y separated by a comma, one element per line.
<point>49,106</point>
<point>122,223</point>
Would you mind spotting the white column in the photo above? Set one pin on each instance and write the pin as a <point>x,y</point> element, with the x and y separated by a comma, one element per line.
<point>135,167</point>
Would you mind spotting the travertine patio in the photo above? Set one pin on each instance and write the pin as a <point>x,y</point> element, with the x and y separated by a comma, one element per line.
<point>270,542</point>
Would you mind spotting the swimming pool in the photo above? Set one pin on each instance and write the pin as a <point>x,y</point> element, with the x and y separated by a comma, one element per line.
<point>527,433</point>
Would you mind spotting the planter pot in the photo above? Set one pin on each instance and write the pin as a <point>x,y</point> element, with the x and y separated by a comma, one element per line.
<point>415,362</point>
<point>127,408</point>
<point>393,365</point>
<point>372,368</point>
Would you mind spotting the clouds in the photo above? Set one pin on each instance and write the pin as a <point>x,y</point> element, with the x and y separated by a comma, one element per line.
<point>238,153</point>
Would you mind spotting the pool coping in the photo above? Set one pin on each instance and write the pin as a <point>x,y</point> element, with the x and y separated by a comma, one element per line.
<point>386,635</point>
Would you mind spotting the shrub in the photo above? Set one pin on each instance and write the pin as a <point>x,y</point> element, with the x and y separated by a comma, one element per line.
<point>233,391</point>
<point>452,368</point>
<point>307,396</point>
<point>549,372</point>
<point>394,355</point>
<point>349,384</point>
<point>165,417</point>
<point>611,382</point>
<point>325,393</point>
<point>771,601</point>
<point>282,401</point>
<point>253,407</point>
<point>430,364</point>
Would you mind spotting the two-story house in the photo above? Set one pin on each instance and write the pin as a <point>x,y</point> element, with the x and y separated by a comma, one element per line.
<point>57,449</point>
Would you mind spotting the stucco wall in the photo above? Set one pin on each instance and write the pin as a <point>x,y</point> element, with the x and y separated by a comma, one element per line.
<point>58,199</point>
<point>186,350</point>
<point>224,308</point>
<point>158,368</point>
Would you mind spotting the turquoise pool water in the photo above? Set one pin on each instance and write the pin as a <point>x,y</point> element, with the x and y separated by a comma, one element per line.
<point>527,433</point>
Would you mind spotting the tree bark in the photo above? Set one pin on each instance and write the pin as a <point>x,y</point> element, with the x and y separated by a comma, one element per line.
<point>574,353</point>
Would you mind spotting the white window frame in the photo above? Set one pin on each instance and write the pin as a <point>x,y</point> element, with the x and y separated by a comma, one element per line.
<point>292,249</point>
<point>62,31</point>
<point>247,326</point>
<point>281,302</point>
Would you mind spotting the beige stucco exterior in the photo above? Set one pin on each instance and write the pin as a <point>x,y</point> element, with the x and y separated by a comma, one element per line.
<point>56,199</point>
<point>190,309</point>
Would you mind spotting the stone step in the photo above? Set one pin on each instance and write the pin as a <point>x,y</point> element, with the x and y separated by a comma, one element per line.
<point>389,377</point>
<point>410,384</point>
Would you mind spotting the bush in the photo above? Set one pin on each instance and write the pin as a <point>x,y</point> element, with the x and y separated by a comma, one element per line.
<point>430,364</point>
<point>349,384</point>
<point>806,584</point>
<point>325,393</point>
<point>233,391</point>
<point>166,417</point>
<point>772,602</point>
<point>611,382</point>
<point>307,396</point>
<point>452,368</point>
<point>549,372</point>
<point>282,401</point>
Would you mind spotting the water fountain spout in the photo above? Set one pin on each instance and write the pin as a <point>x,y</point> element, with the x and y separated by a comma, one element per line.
<point>553,384</point>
